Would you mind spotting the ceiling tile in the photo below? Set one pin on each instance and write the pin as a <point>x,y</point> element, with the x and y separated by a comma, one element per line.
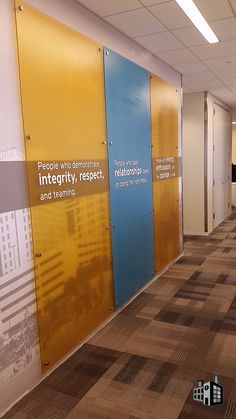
<point>106,7</point>
<point>233,3</point>
<point>203,76</point>
<point>186,68</point>
<point>225,95</point>
<point>198,86</point>
<point>222,49</point>
<point>171,15</point>
<point>230,81</point>
<point>136,22</point>
<point>226,72</point>
<point>225,28</point>
<point>224,62</point>
<point>182,55</point>
<point>160,42</point>
<point>151,2</point>
<point>233,89</point>
<point>190,36</point>
<point>186,90</point>
<point>214,9</point>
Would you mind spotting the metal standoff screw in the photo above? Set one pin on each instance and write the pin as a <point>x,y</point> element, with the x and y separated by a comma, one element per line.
<point>28,137</point>
<point>104,142</point>
<point>38,255</point>
<point>107,52</point>
<point>46,364</point>
<point>20,8</point>
<point>110,142</point>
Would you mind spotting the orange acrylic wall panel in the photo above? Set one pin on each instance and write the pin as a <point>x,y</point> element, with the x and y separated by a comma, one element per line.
<point>62,93</point>
<point>164,120</point>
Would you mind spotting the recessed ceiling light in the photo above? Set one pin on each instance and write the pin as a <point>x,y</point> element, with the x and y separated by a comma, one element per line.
<point>194,14</point>
<point>234,123</point>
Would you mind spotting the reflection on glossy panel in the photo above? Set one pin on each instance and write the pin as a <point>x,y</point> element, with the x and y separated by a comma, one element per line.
<point>164,117</point>
<point>128,125</point>
<point>62,88</point>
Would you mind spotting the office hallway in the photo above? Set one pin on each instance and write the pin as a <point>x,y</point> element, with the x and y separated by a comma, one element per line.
<point>145,362</point>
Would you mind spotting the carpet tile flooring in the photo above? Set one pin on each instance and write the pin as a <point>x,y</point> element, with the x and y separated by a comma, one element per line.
<point>146,361</point>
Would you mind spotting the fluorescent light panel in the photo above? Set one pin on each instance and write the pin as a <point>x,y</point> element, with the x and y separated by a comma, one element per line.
<point>194,14</point>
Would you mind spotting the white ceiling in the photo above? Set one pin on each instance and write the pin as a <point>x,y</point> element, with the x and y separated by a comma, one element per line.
<point>162,28</point>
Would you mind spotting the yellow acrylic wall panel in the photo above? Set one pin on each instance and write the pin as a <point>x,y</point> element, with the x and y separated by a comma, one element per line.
<point>62,93</point>
<point>164,120</point>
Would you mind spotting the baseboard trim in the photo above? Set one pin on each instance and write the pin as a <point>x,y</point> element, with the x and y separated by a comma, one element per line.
<point>194,233</point>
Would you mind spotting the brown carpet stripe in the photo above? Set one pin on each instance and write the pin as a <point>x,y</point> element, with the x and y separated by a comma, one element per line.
<point>145,363</point>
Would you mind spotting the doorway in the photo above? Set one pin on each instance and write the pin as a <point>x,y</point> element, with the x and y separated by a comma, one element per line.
<point>221,164</point>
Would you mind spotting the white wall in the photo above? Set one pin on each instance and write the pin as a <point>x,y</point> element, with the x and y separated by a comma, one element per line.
<point>234,142</point>
<point>234,155</point>
<point>193,163</point>
<point>22,372</point>
<point>198,128</point>
<point>234,137</point>
<point>211,101</point>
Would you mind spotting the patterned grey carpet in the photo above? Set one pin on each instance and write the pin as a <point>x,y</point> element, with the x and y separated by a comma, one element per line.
<point>145,363</point>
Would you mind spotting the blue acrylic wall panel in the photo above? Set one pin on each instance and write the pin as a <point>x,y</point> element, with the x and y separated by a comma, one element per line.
<point>128,129</point>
